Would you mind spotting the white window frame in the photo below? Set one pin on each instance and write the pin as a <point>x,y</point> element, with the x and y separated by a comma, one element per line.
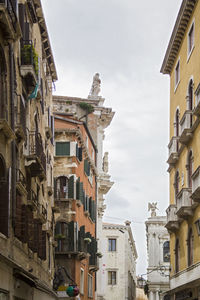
<point>189,39</point>
<point>177,74</point>
<point>82,276</point>
<point>112,283</point>
<point>90,286</point>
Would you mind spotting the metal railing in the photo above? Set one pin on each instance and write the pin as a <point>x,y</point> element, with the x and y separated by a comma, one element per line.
<point>20,178</point>
<point>32,197</point>
<point>36,147</point>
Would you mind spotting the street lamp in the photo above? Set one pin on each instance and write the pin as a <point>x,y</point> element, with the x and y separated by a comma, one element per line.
<point>141,282</point>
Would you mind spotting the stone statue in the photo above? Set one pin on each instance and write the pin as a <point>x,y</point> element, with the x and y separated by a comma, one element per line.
<point>105,162</point>
<point>95,89</point>
<point>152,206</point>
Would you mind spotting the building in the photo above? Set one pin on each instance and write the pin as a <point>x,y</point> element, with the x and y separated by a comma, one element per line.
<point>26,153</point>
<point>80,124</point>
<point>181,63</point>
<point>118,262</point>
<point>158,250</point>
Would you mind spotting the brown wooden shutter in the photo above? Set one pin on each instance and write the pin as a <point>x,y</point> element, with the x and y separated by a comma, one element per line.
<point>24,223</point>
<point>21,18</point>
<point>18,216</point>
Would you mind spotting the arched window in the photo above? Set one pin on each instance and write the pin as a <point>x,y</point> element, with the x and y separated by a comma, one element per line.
<point>62,184</point>
<point>190,99</point>
<point>177,255</point>
<point>166,251</point>
<point>190,247</point>
<point>176,184</point>
<point>3,96</point>
<point>189,169</point>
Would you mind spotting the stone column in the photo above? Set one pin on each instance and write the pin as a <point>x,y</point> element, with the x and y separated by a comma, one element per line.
<point>151,295</point>
<point>157,295</point>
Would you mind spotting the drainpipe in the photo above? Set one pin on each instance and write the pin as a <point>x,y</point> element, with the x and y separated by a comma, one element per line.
<point>13,149</point>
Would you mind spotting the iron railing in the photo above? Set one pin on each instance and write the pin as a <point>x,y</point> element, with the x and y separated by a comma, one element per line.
<point>36,147</point>
<point>32,198</point>
<point>20,178</point>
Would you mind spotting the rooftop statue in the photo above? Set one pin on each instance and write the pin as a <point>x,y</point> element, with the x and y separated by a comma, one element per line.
<point>105,162</point>
<point>152,207</point>
<point>95,89</point>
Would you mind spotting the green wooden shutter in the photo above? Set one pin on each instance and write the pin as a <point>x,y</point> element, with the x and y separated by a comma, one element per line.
<point>4,207</point>
<point>78,189</point>
<point>71,187</point>
<point>55,187</point>
<point>90,206</point>
<point>81,192</point>
<point>62,148</point>
<point>85,166</point>
<point>80,153</point>
<point>71,236</point>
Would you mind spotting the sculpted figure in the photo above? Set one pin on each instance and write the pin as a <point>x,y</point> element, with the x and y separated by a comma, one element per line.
<point>95,89</point>
<point>105,162</point>
<point>152,206</point>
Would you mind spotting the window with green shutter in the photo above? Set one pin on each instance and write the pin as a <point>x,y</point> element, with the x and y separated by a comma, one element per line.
<point>62,148</point>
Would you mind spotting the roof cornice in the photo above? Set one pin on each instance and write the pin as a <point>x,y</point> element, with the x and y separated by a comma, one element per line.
<point>178,32</point>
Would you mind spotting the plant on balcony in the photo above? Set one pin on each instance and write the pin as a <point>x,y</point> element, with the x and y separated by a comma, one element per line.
<point>87,107</point>
<point>30,56</point>
<point>60,236</point>
<point>87,240</point>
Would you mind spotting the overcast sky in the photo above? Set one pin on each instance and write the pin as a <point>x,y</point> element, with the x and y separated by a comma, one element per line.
<point>125,41</point>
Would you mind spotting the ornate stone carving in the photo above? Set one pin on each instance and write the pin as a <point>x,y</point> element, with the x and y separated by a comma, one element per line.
<point>152,207</point>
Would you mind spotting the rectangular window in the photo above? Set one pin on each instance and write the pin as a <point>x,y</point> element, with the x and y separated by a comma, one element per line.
<point>112,277</point>
<point>82,282</point>
<point>111,244</point>
<point>62,148</point>
<point>90,293</point>
<point>191,39</point>
<point>177,73</point>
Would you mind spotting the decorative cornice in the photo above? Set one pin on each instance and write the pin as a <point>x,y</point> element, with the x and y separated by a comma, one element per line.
<point>177,36</point>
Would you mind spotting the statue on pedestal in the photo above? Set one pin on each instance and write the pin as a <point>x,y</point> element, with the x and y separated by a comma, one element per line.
<point>105,162</point>
<point>95,89</point>
<point>152,206</point>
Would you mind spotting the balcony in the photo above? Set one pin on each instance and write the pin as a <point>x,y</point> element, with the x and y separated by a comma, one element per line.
<point>20,119</point>
<point>172,218</point>
<point>196,185</point>
<point>184,203</point>
<point>21,182</point>
<point>29,64</point>
<point>32,199</point>
<point>173,150</point>
<point>186,127</point>
<point>36,159</point>
<point>9,20</point>
<point>42,213</point>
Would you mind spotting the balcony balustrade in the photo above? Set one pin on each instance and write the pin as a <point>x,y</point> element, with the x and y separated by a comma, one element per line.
<point>20,181</point>
<point>184,203</point>
<point>29,64</point>
<point>32,199</point>
<point>20,119</point>
<point>36,159</point>
<point>172,218</point>
<point>173,150</point>
<point>196,185</point>
<point>8,9</point>
<point>186,127</point>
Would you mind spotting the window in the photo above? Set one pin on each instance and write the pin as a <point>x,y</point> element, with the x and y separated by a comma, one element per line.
<point>177,74</point>
<point>189,169</point>
<point>177,254</point>
<point>112,277</point>
<point>62,148</point>
<point>191,39</point>
<point>166,251</point>
<point>190,247</point>
<point>111,244</point>
<point>90,286</point>
<point>82,282</point>
<point>190,99</point>
<point>176,184</point>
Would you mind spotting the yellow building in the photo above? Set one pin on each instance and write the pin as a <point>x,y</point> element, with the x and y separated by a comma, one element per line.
<point>182,63</point>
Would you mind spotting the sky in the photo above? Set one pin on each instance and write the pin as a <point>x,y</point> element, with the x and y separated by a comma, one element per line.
<point>125,41</point>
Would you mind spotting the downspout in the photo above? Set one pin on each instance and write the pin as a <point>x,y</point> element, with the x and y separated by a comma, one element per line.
<point>13,149</point>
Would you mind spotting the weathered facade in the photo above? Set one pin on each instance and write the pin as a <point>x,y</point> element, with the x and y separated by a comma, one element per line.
<point>118,270</point>
<point>26,152</point>
<point>181,62</point>
<point>80,123</point>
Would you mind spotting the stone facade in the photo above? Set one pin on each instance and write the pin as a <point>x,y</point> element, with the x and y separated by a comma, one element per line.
<point>118,269</point>
<point>26,153</point>
<point>158,256</point>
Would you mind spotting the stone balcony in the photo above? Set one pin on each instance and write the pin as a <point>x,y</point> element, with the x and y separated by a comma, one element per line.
<point>196,185</point>
<point>184,203</point>
<point>186,127</point>
<point>173,150</point>
<point>172,218</point>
